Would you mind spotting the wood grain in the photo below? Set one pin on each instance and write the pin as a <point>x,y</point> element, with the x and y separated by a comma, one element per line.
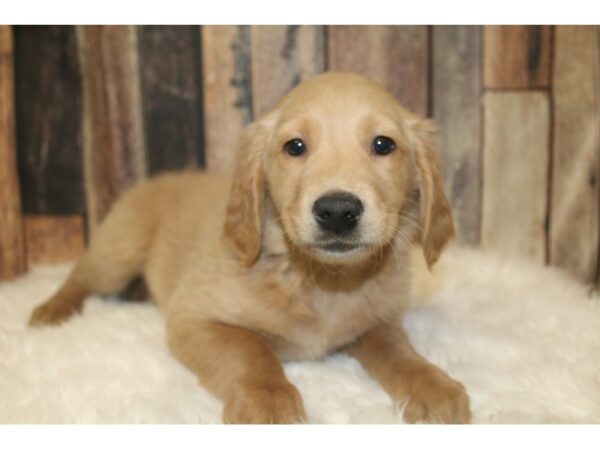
<point>6,40</point>
<point>456,98</point>
<point>226,76</point>
<point>515,173</point>
<point>283,56</point>
<point>395,56</point>
<point>517,56</point>
<point>575,200</point>
<point>171,96</point>
<point>48,118</point>
<point>12,248</point>
<point>53,239</point>
<point>113,142</point>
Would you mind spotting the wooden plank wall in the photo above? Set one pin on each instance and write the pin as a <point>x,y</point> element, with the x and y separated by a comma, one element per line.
<point>98,108</point>
<point>227,91</point>
<point>48,126</point>
<point>170,72</point>
<point>397,57</point>
<point>12,244</point>
<point>113,141</point>
<point>575,202</point>
<point>456,99</point>
<point>516,140</point>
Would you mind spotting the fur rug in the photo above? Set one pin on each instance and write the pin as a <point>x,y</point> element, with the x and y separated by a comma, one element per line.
<point>525,341</point>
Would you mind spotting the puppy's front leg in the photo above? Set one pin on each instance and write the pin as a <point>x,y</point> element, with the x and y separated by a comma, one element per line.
<point>238,366</point>
<point>431,395</point>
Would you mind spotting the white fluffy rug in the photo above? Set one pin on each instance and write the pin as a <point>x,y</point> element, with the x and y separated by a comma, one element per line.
<point>524,340</point>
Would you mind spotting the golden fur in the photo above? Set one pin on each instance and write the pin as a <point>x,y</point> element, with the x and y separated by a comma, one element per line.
<point>231,261</point>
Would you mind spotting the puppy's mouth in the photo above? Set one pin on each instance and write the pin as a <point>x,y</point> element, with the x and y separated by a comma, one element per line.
<point>338,247</point>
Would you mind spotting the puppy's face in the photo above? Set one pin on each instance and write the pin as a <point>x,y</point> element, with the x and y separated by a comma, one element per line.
<point>347,169</point>
<point>339,168</point>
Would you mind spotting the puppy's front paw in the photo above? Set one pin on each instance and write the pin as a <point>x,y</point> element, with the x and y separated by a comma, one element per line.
<point>431,396</point>
<point>53,312</point>
<point>278,403</point>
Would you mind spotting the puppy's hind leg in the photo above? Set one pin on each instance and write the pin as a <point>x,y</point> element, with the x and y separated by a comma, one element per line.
<point>115,256</point>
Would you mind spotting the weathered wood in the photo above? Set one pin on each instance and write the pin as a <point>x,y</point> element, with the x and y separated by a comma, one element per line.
<point>226,76</point>
<point>112,133</point>
<point>575,199</point>
<point>53,239</point>
<point>456,96</point>
<point>6,40</point>
<point>395,56</point>
<point>517,56</point>
<point>282,56</point>
<point>171,96</point>
<point>515,173</point>
<point>12,248</point>
<point>48,120</point>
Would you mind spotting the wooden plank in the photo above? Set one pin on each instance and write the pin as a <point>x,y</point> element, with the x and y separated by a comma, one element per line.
<point>53,239</point>
<point>171,96</point>
<point>12,248</point>
<point>113,142</point>
<point>575,199</point>
<point>517,57</point>
<point>6,40</point>
<point>226,76</point>
<point>456,95</point>
<point>515,173</point>
<point>48,118</point>
<point>395,56</point>
<point>282,56</point>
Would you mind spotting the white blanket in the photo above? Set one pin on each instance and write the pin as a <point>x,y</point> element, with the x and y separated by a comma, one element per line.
<point>524,340</point>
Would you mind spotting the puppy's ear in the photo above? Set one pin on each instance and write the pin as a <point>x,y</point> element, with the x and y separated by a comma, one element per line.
<point>437,226</point>
<point>244,214</point>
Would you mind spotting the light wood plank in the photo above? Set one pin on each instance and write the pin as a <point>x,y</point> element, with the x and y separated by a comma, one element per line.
<point>395,56</point>
<point>53,239</point>
<point>113,142</point>
<point>575,199</point>
<point>6,40</point>
<point>226,75</point>
<point>12,248</point>
<point>282,56</point>
<point>515,173</point>
<point>517,56</point>
<point>456,99</point>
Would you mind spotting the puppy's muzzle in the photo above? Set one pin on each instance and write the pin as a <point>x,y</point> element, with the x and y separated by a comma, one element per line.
<point>337,212</point>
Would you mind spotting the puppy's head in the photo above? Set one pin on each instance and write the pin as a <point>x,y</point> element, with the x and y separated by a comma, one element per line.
<point>348,170</point>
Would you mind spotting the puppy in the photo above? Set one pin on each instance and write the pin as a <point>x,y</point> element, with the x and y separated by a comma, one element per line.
<point>305,250</point>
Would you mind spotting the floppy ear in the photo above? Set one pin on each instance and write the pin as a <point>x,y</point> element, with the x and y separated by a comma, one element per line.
<point>437,226</point>
<point>244,215</point>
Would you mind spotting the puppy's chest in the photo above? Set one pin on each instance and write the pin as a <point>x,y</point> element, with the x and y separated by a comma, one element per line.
<point>316,322</point>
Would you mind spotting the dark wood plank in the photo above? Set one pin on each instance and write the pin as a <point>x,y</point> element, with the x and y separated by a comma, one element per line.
<point>282,56</point>
<point>171,96</point>
<point>515,173</point>
<point>395,56</point>
<point>113,142</point>
<point>12,248</point>
<point>456,98</point>
<point>517,56</point>
<point>575,205</point>
<point>226,77</point>
<point>53,239</point>
<point>47,82</point>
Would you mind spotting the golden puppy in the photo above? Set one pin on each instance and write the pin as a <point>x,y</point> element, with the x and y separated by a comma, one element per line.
<point>303,252</point>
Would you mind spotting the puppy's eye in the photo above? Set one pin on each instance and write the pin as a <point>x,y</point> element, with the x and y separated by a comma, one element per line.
<point>383,145</point>
<point>294,147</point>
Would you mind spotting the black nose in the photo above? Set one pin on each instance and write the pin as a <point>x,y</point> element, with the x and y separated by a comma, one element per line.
<point>337,212</point>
